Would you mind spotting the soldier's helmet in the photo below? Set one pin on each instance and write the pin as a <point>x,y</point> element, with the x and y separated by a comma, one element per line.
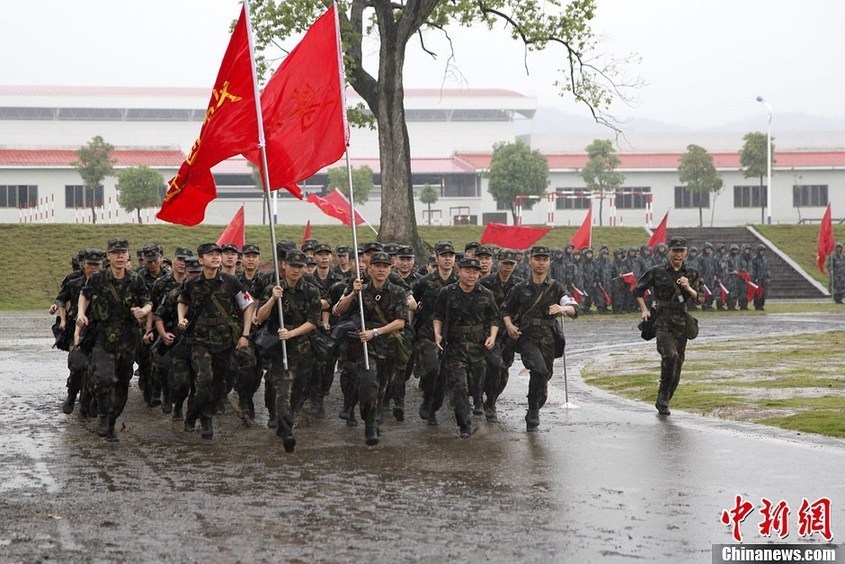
<point>838,245</point>
<point>734,247</point>
<point>693,249</point>
<point>708,246</point>
<point>746,247</point>
<point>761,247</point>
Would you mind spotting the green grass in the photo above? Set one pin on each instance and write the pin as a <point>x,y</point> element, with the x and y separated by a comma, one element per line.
<point>793,382</point>
<point>35,258</point>
<point>800,243</point>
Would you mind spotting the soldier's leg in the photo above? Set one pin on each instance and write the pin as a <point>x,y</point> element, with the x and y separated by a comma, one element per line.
<point>76,363</point>
<point>205,395</point>
<point>476,375</point>
<point>103,373</point>
<point>427,368</point>
<point>493,373</point>
<point>245,379</point>
<point>120,391</point>
<point>680,347</point>
<point>534,360</point>
<point>283,389</point>
<point>457,380</point>
<point>161,368</point>
<point>180,383</point>
<point>667,346</point>
<point>152,390</point>
<point>314,386</point>
<point>368,389</point>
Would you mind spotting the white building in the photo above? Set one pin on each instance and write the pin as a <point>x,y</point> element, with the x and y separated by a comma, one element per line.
<point>452,133</point>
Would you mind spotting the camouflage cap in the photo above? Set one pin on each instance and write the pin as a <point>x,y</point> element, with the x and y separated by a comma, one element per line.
<point>380,257</point>
<point>322,248</point>
<point>183,253</point>
<point>94,256</point>
<point>118,244</point>
<point>229,247</point>
<point>206,248</point>
<point>483,251</point>
<point>308,245</point>
<point>251,249</point>
<point>507,255</point>
<point>444,247</point>
<point>470,262</point>
<point>151,252</point>
<point>391,248</point>
<point>342,250</point>
<point>472,245</point>
<point>372,247</point>
<point>296,258</point>
<point>541,251</point>
<point>310,260</point>
<point>192,264</point>
<point>406,251</point>
<point>677,243</point>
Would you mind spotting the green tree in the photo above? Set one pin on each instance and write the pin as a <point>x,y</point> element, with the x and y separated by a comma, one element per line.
<point>600,171</point>
<point>516,170</point>
<point>697,170</point>
<point>538,24</point>
<point>753,160</point>
<point>362,181</point>
<point>140,188</point>
<point>93,165</point>
<point>428,196</point>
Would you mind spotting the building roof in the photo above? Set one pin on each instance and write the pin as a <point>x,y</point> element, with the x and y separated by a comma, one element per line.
<point>448,165</point>
<point>60,158</point>
<point>669,161</point>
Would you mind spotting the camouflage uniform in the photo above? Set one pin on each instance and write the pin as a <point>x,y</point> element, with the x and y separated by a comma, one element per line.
<point>500,359</point>
<point>300,304</point>
<point>836,271</point>
<point>708,268</point>
<point>467,318</point>
<point>536,346</point>
<point>761,275</point>
<point>737,289</point>
<point>148,378</point>
<point>117,339</point>
<point>181,378</point>
<point>669,313</point>
<point>212,337</point>
<point>77,360</point>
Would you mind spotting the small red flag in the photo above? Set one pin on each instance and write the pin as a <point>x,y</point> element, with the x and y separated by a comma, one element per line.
<point>607,299</point>
<point>303,109</point>
<point>307,234</point>
<point>579,294</point>
<point>629,279</point>
<point>336,205</point>
<point>753,290</point>
<point>234,232</point>
<point>826,242</point>
<point>724,291</point>
<point>707,292</point>
<point>659,235</point>
<point>512,236</point>
<point>584,236</point>
<point>230,128</point>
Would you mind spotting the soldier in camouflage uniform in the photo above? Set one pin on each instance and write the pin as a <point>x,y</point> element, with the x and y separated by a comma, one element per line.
<point>118,300</point>
<point>601,295</point>
<point>211,300</point>
<point>529,317</point>
<point>836,272</point>
<point>708,268</point>
<point>617,285</point>
<point>737,288</point>
<point>322,378</point>
<point>427,363</point>
<point>385,314</point>
<point>672,286</point>
<point>148,378</point>
<point>405,268</point>
<point>761,275</point>
<point>246,363</point>
<point>465,328</point>
<point>500,358</point>
<point>67,301</point>
<point>301,309</point>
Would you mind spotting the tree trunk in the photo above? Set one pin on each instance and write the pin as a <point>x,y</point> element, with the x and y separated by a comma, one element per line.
<point>700,214</point>
<point>601,207</point>
<point>94,209</point>
<point>138,210</point>
<point>429,214</point>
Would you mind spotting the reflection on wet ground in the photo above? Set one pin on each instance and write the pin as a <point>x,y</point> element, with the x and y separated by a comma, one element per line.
<point>604,480</point>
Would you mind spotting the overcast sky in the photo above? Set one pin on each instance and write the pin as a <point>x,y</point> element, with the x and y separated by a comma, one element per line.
<point>703,62</point>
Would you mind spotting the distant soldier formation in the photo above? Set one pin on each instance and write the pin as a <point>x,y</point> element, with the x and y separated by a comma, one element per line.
<point>215,320</point>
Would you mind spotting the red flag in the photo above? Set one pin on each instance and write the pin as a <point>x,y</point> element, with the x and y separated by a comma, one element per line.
<point>234,232</point>
<point>753,290</point>
<point>303,109</point>
<point>707,292</point>
<point>512,236</point>
<point>629,279</point>
<point>230,128</point>
<point>307,234</point>
<point>826,243</point>
<point>584,236</point>
<point>724,291</point>
<point>659,235</point>
<point>607,299</point>
<point>336,205</point>
<point>579,294</point>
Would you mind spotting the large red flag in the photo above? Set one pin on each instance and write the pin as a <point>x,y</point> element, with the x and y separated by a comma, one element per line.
<point>234,232</point>
<point>659,235</point>
<point>303,109</point>
<point>584,236</point>
<point>336,205</point>
<point>512,236</point>
<point>826,242</point>
<point>230,128</point>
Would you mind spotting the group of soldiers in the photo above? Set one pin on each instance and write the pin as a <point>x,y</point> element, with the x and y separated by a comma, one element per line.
<point>214,323</point>
<point>608,283</point>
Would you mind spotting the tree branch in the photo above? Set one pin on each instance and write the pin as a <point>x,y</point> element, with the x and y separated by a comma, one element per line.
<point>362,81</point>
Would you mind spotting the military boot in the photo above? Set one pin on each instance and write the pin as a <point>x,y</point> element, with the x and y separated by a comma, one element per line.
<point>102,424</point>
<point>92,406</point>
<point>490,413</point>
<point>272,422</point>
<point>478,407</point>
<point>371,434</point>
<point>177,412</point>
<point>111,436</point>
<point>70,401</point>
<point>662,403</point>
<point>532,420</point>
<point>317,405</point>
<point>424,409</point>
<point>207,428</point>
<point>166,401</point>
<point>432,418</point>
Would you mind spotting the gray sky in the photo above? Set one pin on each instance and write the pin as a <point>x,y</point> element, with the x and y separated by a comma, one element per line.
<point>703,62</point>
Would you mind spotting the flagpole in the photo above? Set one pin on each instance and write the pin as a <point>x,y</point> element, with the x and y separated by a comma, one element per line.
<point>265,176</point>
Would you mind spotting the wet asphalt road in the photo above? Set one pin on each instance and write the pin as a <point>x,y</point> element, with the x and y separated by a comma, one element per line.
<point>604,481</point>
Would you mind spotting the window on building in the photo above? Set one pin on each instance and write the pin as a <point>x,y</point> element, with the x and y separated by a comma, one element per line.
<point>686,198</point>
<point>572,199</point>
<point>78,196</point>
<point>811,195</point>
<point>749,196</point>
<point>633,198</point>
<point>18,196</point>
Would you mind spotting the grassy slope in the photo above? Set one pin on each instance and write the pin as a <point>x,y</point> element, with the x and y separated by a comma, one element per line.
<point>800,243</point>
<point>35,258</point>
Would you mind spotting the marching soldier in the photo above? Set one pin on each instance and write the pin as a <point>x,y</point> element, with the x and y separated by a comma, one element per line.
<point>465,328</point>
<point>148,379</point>
<point>836,271</point>
<point>529,317</point>
<point>118,300</point>
<point>210,300</point>
<point>672,286</point>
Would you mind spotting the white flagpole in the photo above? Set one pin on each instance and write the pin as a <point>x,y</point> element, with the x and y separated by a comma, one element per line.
<point>265,175</point>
